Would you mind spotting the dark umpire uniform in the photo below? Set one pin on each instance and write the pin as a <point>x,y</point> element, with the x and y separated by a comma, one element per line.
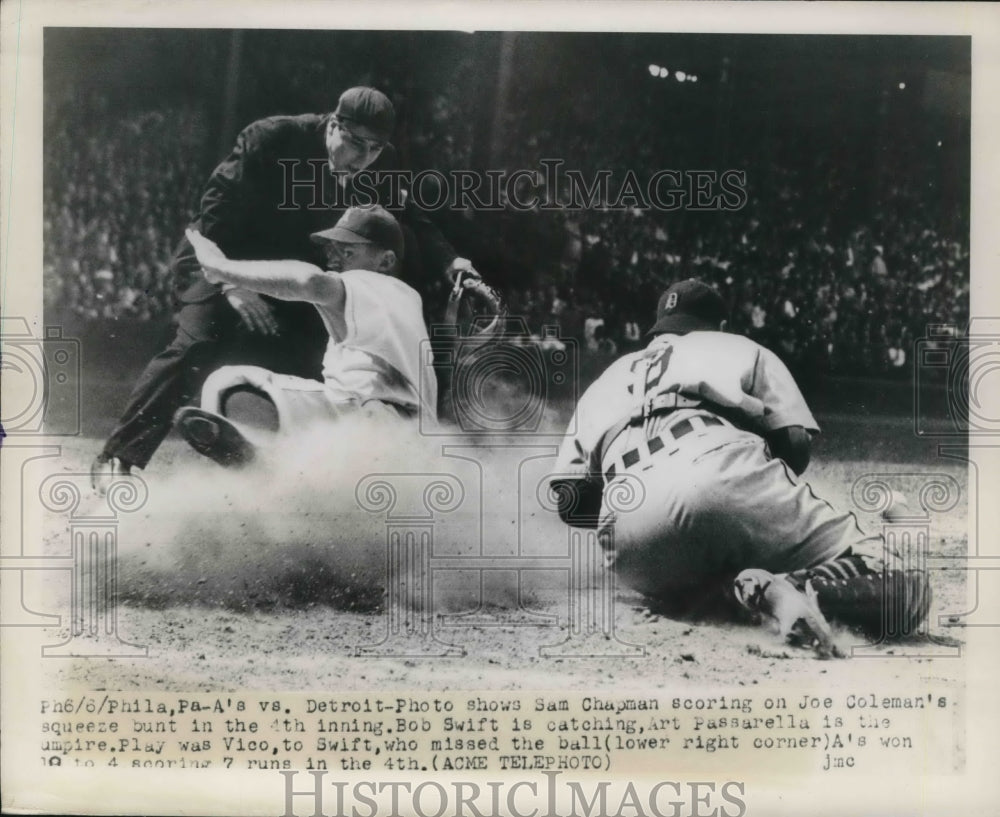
<point>263,201</point>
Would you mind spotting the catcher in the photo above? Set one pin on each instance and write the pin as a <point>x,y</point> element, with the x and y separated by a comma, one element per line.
<point>375,359</point>
<point>718,434</point>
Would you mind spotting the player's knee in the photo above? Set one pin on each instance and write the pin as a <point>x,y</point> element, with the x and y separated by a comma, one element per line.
<point>226,379</point>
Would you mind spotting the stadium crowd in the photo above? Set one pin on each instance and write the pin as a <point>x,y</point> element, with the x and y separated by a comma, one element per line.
<point>800,273</point>
<point>851,301</point>
<point>118,191</point>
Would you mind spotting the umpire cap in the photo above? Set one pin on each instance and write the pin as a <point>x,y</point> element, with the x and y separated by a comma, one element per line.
<point>687,306</point>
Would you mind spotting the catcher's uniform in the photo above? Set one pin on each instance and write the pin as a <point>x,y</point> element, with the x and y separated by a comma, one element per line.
<point>376,360</point>
<point>685,418</point>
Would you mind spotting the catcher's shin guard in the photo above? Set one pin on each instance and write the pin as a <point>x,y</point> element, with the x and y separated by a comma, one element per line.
<point>885,604</point>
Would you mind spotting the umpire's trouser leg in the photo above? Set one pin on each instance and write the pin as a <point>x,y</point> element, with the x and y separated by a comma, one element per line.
<point>210,334</point>
<point>170,380</point>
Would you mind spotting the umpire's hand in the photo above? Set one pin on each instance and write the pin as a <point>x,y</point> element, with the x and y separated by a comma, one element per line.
<point>463,267</point>
<point>253,310</point>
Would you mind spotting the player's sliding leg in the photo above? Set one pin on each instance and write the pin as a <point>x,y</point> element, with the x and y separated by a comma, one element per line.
<point>207,428</point>
<point>298,404</point>
<point>106,470</point>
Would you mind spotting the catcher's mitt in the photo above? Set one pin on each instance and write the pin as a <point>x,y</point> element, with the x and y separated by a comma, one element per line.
<point>478,305</point>
<point>475,315</point>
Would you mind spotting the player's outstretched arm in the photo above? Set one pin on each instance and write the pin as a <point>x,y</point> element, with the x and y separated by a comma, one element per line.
<point>288,280</point>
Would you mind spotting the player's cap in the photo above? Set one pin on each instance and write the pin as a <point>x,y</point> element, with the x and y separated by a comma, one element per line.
<point>365,225</point>
<point>369,108</point>
<point>687,306</point>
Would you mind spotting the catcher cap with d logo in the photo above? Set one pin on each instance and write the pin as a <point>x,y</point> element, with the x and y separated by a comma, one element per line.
<point>368,107</point>
<point>687,306</point>
<point>365,225</point>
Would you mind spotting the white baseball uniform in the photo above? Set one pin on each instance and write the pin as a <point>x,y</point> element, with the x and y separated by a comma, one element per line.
<point>713,500</point>
<point>376,360</point>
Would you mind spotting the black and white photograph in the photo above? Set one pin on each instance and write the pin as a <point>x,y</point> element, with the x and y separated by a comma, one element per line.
<point>506,409</point>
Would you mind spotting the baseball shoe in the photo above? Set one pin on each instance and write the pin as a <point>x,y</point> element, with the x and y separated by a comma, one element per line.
<point>796,612</point>
<point>215,437</point>
<point>106,470</point>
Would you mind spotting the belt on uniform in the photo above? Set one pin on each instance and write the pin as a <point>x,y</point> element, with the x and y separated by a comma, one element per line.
<point>658,405</point>
<point>664,440</point>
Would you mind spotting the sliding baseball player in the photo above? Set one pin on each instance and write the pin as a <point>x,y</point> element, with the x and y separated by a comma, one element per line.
<point>375,357</point>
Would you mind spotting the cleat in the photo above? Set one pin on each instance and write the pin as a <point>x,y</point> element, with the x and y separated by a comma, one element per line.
<point>105,471</point>
<point>215,437</point>
<point>794,611</point>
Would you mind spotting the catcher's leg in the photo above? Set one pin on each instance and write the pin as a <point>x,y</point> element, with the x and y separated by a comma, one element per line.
<point>880,597</point>
<point>885,601</point>
<point>858,580</point>
<point>795,609</point>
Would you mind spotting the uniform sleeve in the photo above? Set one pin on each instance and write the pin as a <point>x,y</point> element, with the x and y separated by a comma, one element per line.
<point>784,404</point>
<point>576,484</point>
<point>579,457</point>
<point>573,460</point>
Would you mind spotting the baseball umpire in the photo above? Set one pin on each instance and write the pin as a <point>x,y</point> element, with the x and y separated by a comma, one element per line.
<point>716,431</point>
<point>286,178</point>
